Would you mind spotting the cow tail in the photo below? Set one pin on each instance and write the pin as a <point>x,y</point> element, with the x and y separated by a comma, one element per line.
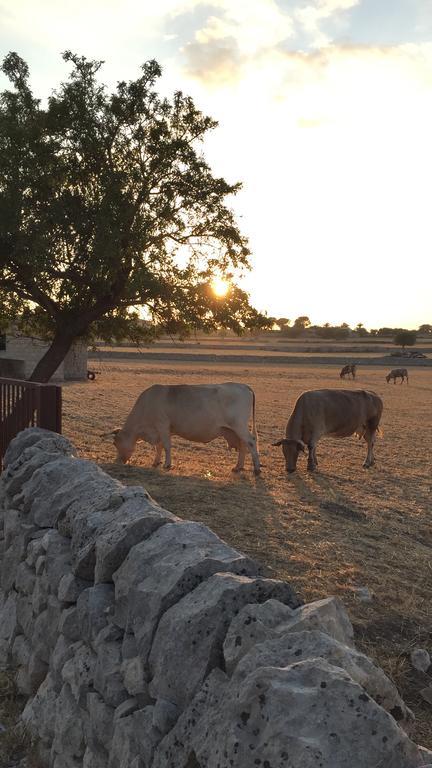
<point>254,429</point>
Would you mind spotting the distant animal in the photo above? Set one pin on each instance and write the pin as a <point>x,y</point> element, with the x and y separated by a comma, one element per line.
<point>197,412</point>
<point>351,368</point>
<point>333,413</point>
<point>397,373</point>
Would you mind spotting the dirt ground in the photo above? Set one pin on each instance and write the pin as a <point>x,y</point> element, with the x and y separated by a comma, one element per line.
<point>327,532</point>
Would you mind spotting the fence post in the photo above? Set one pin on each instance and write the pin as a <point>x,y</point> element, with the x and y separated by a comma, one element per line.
<point>50,413</point>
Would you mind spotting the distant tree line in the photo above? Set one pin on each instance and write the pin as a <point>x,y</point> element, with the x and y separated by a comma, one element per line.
<point>302,326</point>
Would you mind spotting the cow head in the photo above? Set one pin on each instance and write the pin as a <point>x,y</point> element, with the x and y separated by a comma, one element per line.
<point>123,442</point>
<point>291,450</point>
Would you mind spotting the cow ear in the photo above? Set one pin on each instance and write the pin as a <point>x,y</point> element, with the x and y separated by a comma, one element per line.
<point>278,442</point>
<point>301,445</point>
<point>113,433</point>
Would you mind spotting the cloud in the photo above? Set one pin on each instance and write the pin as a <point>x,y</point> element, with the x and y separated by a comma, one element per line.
<point>233,35</point>
<point>311,17</point>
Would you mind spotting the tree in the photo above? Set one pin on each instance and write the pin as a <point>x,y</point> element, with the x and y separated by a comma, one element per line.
<point>107,206</point>
<point>282,322</point>
<point>405,338</point>
<point>302,322</point>
<point>361,330</point>
<point>426,329</point>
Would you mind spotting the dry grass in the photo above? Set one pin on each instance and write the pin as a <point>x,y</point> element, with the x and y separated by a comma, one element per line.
<point>15,742</point>
<point>325,532</point>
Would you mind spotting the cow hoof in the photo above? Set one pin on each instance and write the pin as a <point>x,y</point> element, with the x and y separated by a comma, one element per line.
<point>156,464</point>
<point>168,466</point>
<point>257,472</point>
<point>237,470</point>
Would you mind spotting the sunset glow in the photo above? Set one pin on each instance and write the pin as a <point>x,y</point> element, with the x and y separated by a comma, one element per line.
<point>220,287</point>
<point>325,116</point>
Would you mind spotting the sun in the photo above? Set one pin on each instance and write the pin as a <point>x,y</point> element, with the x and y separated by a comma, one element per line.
<point>220,287</point>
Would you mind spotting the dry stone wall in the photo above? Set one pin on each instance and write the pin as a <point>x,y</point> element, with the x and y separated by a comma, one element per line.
<point>144,641</point>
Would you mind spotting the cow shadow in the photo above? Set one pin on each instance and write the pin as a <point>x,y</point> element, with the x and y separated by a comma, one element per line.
<point>240,508</point>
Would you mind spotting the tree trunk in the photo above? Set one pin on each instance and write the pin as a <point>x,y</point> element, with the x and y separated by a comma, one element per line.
<point>53,357</point>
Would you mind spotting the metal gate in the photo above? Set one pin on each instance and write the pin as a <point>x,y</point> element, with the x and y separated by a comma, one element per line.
<point>27,404</point>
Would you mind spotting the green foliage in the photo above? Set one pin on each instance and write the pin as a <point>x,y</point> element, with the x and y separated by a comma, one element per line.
<point>107,205</point>
<point>335,332</point>
<point>405,338</point>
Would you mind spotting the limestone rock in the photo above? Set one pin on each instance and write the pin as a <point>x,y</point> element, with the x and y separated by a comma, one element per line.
<point>38,496</point>
<point>21,651</point>
<point>39,712</point>
<point>46,629</point>
<point>158,572</point>
<point>57,558</point>
<point>31,436</point>
<point>286,649</point>
<point>253,624</point>
<point>70,588</point>
<point>307,714</point>
<point>135,521</point>
<point>189,638</point>
<point>69,624</point>
<point>420,659</point>
<point>40,594</point>
<point>133,676</point>
<point>63,651</point>
<point>256,623</point>
<point>108,680</point>
<point>37,671</point>
<point>24,614</point>
<point>94,759</point>
<point>95,608</point>
<point>134,739</point>
<point>25,579</point>
<point>165,714</point>
<point>99,723</point>
<point>8,627</point>
<point>78,672</point>
<point>68,740</point>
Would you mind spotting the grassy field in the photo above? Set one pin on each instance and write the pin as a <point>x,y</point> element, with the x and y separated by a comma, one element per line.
<point>328,532</point>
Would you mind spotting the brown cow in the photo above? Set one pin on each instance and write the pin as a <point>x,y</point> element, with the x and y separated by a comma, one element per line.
<point>331,412</point>
<point>350,368</point>
<point>197,412</point>
<point>397,373</point>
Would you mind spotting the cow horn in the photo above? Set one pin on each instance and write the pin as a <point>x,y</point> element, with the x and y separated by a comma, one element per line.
<point>278,442</point>
<point>301,445</point>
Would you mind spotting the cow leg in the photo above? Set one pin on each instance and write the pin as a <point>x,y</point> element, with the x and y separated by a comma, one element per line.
<point>247,439</point>
<point>312,461</point>
<point>242,451</point>
<point>370,438</point>
<point>166,443</point>
<point>251,444</point>
<point>158,455</point>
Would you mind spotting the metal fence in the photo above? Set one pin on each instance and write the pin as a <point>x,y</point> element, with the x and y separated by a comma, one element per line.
<point>27,404</point>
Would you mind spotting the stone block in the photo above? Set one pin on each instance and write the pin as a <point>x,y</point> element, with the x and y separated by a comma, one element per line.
<point>189,639</point>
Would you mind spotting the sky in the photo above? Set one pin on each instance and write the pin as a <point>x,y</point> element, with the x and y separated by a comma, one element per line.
<point>325,116</point>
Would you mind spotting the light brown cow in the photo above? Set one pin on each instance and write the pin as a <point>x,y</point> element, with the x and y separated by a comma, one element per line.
<point>350,368</point>
<point>197,412</point>
<point>397,373</point>
<point>331,412</point>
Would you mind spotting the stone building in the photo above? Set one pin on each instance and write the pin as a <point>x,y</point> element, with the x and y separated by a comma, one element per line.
<point>19,354</point>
